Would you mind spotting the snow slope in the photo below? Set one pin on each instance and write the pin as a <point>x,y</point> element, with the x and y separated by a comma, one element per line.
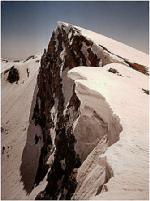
<point>16,106</point>
<point>128,157</point>
<point>115,47</point>
<point>111,131</point>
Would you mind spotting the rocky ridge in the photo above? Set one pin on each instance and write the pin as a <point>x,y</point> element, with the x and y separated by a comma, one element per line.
<point>57,109</point>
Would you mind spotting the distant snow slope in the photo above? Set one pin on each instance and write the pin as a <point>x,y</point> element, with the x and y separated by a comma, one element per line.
<point>16,105</point>
<point>128,157</point>
<point>118,48</point>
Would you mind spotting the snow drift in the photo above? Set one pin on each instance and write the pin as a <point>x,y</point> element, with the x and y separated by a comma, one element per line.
<point>128,157</point>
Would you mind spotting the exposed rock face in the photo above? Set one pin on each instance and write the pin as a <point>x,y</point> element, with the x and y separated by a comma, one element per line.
<point>30,57</point>
<point>112,70</point>
<point>13,75</point>
<point>145,91</point>
<point>58,107</point>
<point>138,67</point>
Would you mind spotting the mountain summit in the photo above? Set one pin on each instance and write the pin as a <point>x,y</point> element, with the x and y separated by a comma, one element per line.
<point>88,120</point>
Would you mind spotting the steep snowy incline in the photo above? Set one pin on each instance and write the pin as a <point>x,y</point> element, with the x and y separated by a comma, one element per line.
<point>128,157</point>
<point>115,47</point>
<point>17,100</point>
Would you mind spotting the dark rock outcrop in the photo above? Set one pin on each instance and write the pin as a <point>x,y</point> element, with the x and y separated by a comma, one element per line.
<point>13,75</point>
<point>138,67</point>
<point>28,72</point>
<point>112,70</point>
<point>30,57</point>
<point>145,91</point>
<point>135,66</point>
<point>5,60</point>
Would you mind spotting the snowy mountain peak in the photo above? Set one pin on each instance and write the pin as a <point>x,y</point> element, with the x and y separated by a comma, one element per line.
<point>60,23</point>
<point>80,130</point>
<point>114,47</point>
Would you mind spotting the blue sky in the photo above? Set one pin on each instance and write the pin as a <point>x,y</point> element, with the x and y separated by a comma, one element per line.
<point>27,26</point>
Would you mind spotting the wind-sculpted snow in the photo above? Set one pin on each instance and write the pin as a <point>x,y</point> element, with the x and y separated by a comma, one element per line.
<point>96,129</point>
<point>95,121</point>
<point>75,138</point>
<point>128,157</point>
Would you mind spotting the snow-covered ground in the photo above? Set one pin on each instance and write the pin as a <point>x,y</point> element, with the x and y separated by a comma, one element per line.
<point>16,106</point>
<point>128,157</point>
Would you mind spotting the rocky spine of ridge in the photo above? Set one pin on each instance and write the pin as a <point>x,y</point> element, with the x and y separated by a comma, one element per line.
<point>57,107</point>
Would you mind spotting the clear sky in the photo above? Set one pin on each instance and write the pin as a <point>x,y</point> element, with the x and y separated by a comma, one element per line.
<point>27,26</point>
